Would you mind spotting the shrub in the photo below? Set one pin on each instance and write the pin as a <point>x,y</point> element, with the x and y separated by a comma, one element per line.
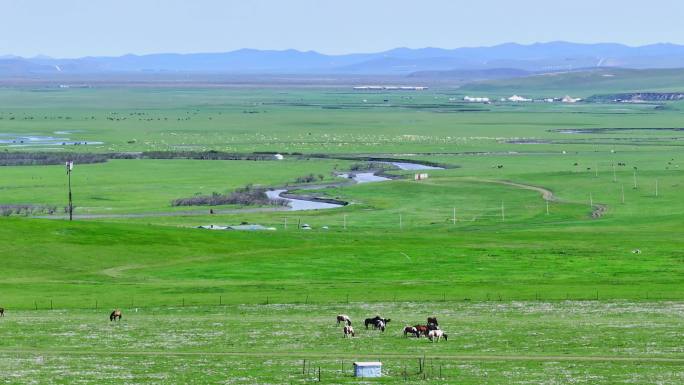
<point>247,196</point>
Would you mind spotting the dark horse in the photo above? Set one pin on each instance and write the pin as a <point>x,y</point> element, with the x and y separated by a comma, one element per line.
<point>375,321</point>
<point>116,314</point>
<point>432,320</point>
<point>2,311</point>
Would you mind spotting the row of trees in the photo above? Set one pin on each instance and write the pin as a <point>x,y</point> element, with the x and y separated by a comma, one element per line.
<point>23,209</point>
<point>48,158</point>
<point>247,195</point>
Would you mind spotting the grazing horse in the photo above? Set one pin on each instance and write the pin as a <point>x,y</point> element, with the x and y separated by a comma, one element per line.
<point>437,334</point>
<point>422,329</point>
<point>348,331</point>
<point>343,318</point>
<point>380,324</point>
<point>2,311</point>
<point>373,321</point>
<point>411,330</point>
<point>116,314</point>
<point>432,320</point>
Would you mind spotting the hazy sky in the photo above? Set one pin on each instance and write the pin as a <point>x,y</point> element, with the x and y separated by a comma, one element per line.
<point>71,28</point>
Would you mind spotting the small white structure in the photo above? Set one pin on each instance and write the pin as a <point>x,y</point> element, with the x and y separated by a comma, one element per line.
<point>516,98</point>
<point>470,99</point>
<point>390,88</point>
<point>367,369</point>
<point>420,176</point>
<point>569,99</point>
<point>213,227</point>
<point>251,228</point>
<point>278,157</point>
<point>238,227</point>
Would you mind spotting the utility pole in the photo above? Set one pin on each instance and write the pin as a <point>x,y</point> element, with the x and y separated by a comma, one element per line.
<point>69,170</point>
<point>635,178</point>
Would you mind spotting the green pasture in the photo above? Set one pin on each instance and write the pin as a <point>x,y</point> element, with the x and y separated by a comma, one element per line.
<point>502,245</point>
<point>492,342</point>
<point>309,121</point>
<point>130,186</point>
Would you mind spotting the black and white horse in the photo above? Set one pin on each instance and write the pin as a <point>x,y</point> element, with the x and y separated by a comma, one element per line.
<point>411,330</point>
<point>348,331</point>
<point>343,318</point>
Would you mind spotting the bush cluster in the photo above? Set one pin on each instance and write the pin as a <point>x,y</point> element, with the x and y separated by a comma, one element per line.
<point>247,195</point>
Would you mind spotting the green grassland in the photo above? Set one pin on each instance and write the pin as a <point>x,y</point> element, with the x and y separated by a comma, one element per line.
<point>489,343</point>
<point>129,186</point>
<point>587,83</point>
<point>530,293</point>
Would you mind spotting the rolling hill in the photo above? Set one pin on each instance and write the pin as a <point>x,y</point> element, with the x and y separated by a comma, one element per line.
<point>539,57</point>
<point>585,83</point>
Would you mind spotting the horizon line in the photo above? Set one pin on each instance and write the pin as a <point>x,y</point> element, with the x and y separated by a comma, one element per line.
<point>42,56</point>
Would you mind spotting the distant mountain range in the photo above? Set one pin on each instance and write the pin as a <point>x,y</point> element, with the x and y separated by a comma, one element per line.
<point>505,60</point>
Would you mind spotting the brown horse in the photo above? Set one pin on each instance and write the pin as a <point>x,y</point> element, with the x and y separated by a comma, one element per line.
<point>432,320</point>
<point>422,329</point>
<point>116,314</point>
<point>343,318</point>
<point>411,330</point>
<point>2,311</point>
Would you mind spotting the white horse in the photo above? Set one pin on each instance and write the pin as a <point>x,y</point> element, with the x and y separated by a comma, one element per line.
<point>343,318</point>
<point>348,331</point>
<point>437,334</point>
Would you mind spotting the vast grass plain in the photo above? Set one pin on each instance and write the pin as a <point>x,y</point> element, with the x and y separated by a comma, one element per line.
<point>549,246</point>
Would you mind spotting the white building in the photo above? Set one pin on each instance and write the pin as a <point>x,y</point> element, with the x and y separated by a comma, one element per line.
<point>568,99</point>
<point>470,99</point>
<point>516,98</point>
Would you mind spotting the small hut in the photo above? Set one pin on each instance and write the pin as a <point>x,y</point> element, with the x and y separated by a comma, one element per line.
<point>367,369</point>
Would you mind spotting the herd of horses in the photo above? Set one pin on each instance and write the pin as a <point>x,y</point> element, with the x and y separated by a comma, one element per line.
<point>430,330</point>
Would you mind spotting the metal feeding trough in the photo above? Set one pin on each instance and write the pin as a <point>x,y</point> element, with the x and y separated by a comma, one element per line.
<point>367,369</point>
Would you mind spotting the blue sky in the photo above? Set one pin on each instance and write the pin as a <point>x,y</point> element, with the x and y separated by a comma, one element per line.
<point>72,28</point>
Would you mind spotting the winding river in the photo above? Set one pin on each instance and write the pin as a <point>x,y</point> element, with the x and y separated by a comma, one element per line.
<point>362,177</point>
